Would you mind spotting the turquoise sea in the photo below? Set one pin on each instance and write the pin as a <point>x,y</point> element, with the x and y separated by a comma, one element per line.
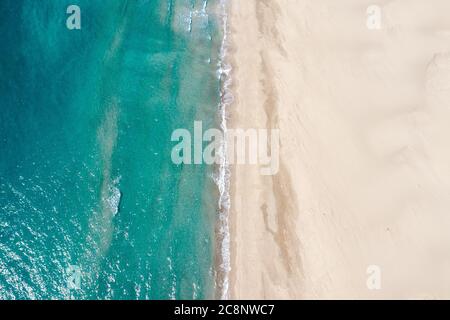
<point>87,185</point>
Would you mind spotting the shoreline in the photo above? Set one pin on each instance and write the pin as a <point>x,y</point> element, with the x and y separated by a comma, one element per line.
<point>222,180</point>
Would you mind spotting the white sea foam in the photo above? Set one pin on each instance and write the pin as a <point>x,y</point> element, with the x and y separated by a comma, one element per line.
<point>223,176</point>
<point>114,196</point>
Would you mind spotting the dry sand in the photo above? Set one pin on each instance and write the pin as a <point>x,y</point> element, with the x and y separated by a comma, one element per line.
<point>364,119</point>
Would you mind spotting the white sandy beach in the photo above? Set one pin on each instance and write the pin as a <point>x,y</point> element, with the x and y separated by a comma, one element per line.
<point>364,119</point>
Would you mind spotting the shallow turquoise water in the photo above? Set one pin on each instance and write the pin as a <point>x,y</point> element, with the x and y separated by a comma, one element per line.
<point>85,125</point>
